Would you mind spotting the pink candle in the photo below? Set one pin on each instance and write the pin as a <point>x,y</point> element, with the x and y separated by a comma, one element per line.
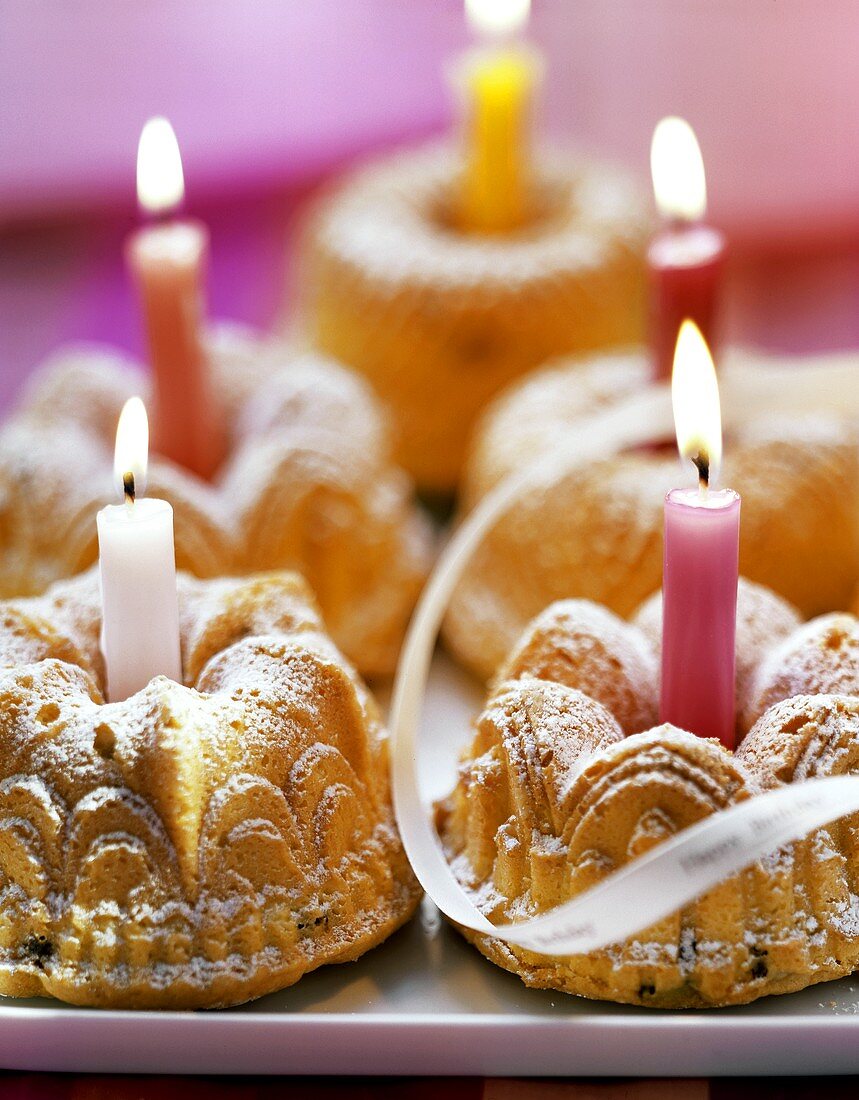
<point>685,259</point>
<point>701,562</point>
<point>167,259</point>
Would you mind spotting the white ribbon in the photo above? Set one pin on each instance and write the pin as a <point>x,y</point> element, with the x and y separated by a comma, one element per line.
<point>700,857</point>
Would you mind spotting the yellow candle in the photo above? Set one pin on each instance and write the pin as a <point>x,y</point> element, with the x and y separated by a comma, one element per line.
<point>498,82</point>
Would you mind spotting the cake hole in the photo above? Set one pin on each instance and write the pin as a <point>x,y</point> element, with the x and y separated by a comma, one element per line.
<point>104,741</point>
<point>478,346</point>
<point>795,723</point>
<point>48,714</point>
<point>647,989</point>
<point>759,966</point>
<point>548,205</point>
<point>834,640</point>
<point>321,919</point>
<point>39,949</point>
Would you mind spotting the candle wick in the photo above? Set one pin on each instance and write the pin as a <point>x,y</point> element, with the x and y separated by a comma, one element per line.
<point>678,223</point>
<point>162,216</point>
<point>702,464</point>
<point>128,487</point>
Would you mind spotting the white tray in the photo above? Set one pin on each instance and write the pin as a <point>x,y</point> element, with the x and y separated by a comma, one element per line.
<point>427,1003</point>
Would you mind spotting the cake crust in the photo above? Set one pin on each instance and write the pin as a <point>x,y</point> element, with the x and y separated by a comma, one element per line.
<point>199,844</point>
<point>308,485</point>
<point>596,533</point>
<point>438,319</point>
<point>552,798</point>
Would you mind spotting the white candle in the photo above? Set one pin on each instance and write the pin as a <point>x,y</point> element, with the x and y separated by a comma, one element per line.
<point>137,566</point>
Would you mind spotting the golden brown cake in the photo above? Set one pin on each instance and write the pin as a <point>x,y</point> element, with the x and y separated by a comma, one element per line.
<point>552,798</point>
<point>309,484</point>
<point>609,660</point>
<point>597,533</point>
<point>439,319</point>
<point>197,845</point>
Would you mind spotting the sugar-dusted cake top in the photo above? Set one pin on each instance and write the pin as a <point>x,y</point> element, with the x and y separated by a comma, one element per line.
<point>309,484</point>
<point>552,798</point>
<point>584,209</point>
<point>201,843</point>
<point>596,531</point>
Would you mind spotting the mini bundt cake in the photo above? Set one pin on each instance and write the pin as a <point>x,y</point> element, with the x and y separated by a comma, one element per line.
<point>308,485</point>
<point>597,532</point>
<point>201,844</point>
<point>439,319</point>
<point>554,795</point>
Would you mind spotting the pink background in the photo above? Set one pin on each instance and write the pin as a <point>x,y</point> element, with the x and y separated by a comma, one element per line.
<point>269,96</point>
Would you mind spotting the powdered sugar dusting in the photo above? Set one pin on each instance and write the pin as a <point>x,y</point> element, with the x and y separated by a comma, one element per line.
<point>548,803</point>
<point>192,845</point>
<point>585,646</point>
<point>308,485</point>
<point>401,201</point>
<point>821,658</point>
<point>597,532</point>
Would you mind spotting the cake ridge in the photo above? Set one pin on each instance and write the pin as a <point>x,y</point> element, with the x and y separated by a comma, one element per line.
<point>198,844</point>
<point>307,485</point>
<point>385,258</point>
<point>520,848</point>
<point>596,532</point>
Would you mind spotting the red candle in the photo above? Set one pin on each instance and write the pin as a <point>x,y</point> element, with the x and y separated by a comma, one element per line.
<point>167,259</point>
<point>701,562</point>
<point>686,258</point>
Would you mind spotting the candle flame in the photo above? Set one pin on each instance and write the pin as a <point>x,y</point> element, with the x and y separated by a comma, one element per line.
<point>131,455</point>
<point>695,397</point>
<point>160,180</point>
<point>497,18</point>
<point>677,168</point>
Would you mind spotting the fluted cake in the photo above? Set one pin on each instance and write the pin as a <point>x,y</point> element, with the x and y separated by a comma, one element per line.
<point>568,778</point>
<point>597,532</point>
<point>309,484</point>
<point>440,319</point>
<point>199,844</point>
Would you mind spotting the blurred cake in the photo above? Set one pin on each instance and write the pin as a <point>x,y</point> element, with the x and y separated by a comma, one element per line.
<point>309,484</point>
<point>553,797</point>
<point>439,319</point>
<point>197,845</point>
<point>597,532</point>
